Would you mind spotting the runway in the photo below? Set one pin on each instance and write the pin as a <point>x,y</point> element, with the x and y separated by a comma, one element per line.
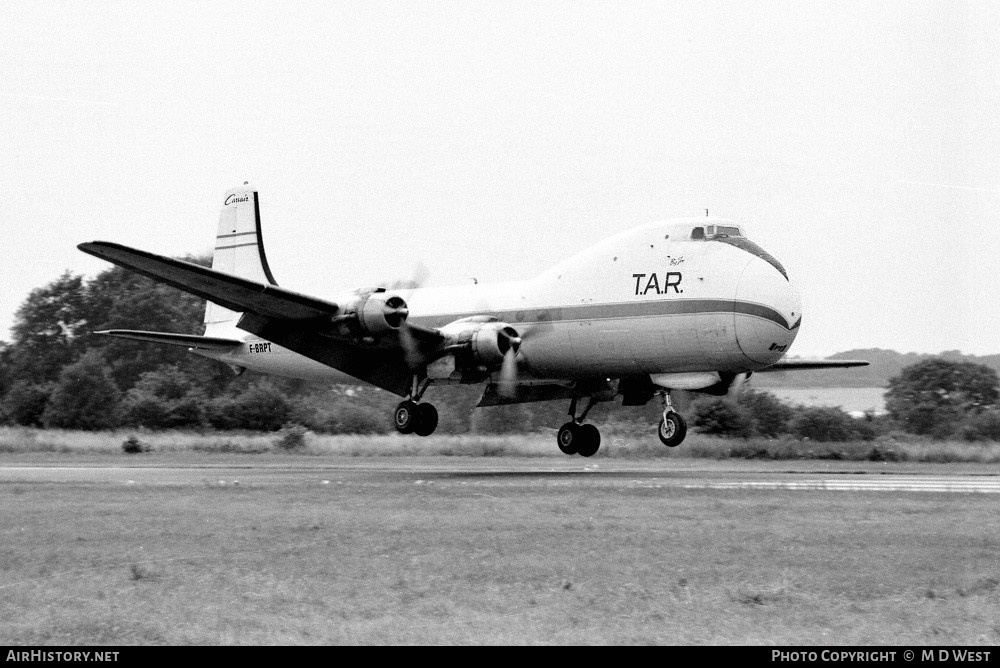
<point>478,472</point>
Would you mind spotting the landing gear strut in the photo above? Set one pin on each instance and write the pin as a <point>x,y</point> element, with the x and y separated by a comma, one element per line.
<point>672,429</point>
<point>412,417</point>
<point>575,438</point>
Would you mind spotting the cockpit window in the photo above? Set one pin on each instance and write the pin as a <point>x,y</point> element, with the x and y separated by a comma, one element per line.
<point>724,231</point>
<point>716,232</point>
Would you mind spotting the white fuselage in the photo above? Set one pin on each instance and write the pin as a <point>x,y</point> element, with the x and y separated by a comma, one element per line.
<point>650,300</point>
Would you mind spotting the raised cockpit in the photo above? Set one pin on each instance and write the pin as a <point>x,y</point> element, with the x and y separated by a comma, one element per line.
<point>732,235</point>
<point>715,231</point>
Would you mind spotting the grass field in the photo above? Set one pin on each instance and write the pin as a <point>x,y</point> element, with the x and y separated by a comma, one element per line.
<point>627,445</point>
<point>379,559</point>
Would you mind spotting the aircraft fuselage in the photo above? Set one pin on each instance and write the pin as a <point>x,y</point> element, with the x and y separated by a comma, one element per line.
<point>651,300</point>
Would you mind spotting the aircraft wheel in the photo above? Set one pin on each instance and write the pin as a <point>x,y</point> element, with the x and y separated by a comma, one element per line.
<point>672,429</point>
<point>568,438</point>
<point>589,440</point>
<point>405,417</point>
<point>427,420</point>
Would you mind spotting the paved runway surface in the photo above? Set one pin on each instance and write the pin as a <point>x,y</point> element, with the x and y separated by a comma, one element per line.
<point>691,474</point>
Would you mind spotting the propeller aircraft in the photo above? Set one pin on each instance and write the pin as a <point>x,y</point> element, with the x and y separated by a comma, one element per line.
<point>685,304</point>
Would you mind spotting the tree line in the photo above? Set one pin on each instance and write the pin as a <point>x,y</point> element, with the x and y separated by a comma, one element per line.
<point>56,373</point>
<point>936,398</point>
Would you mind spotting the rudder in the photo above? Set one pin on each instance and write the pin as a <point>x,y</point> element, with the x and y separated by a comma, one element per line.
<point>239,246</point>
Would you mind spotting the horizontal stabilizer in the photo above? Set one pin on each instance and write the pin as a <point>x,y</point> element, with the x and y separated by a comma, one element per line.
<point>186,340</point>
<point>232,292</point>
<point>800,365</point>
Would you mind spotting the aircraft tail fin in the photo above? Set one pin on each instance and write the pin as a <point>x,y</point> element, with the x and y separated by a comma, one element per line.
<point>239,247</point>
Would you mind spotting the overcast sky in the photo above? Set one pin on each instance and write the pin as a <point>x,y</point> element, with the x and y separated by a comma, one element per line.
<point>857,141</point>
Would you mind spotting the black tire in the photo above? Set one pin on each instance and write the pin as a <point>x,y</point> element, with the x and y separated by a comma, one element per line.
<point>672,430</point>
<point>405,417</point>
<point>589,440</point>
<point>427,420</point>
<point>568,438</point>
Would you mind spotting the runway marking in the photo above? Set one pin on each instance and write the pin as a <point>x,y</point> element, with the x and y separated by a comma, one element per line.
<point>486,477</point>
<point>895,484</point>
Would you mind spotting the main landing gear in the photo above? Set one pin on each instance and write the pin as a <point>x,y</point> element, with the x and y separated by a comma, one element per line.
<point>575,438</point>
<point>672,428</point>
<point>412,417</point>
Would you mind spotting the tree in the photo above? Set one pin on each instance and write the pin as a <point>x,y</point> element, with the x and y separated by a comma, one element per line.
<point>935,395</point>
<point>723,417</point>
<point>48,330</point>
<point>824,424</point>
<point>121,299</point>
<point>983,426</point>
<point>6,382</point>
<point>770,414</point>
<point>85,397</point>
<point>261,406</point>
<point>345,409</point>
<point>25,402</point>
<point>164,398</point>
<point>53,329</point>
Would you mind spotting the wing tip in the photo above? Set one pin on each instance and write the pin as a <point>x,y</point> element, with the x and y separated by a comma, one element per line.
<point>807,365</point>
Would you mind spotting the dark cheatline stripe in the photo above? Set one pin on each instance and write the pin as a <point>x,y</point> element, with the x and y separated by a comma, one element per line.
<point>238,234</point>
<point>761,311</point>
<point>252,243</point>
<point>620,311</point>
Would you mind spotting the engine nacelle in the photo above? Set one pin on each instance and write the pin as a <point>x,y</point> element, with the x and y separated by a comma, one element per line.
<point>382,312</point>
<point>492,342</point>
<point>371,313</point>
<point>482,342</point>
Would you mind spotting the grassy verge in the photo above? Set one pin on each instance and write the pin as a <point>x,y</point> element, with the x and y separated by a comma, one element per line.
<point>536,444</point>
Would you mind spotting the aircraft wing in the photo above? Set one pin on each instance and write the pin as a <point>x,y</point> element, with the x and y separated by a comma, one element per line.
<point>186,340</point>
<point>800,365</point>
<point>231,292</point>
<point>295,321</point>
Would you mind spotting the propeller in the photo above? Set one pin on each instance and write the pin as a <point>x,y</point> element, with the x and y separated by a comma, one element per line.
<point>739,380</point>
<point>508,338</point>
<point>525,333</point>
<point>412,354</point>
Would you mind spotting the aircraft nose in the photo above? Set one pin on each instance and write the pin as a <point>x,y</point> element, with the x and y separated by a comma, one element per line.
<point>768,312</point>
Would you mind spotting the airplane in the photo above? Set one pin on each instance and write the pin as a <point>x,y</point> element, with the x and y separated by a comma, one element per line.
<point>686,304</point>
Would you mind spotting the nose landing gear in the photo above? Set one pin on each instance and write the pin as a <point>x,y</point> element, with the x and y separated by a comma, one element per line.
<point>672,428</point>
<point>575,438</point>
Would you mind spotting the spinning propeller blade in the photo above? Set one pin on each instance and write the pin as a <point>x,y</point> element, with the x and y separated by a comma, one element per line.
<point>411,351</point>
<point>507,386</point>
<point>738,382</point>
